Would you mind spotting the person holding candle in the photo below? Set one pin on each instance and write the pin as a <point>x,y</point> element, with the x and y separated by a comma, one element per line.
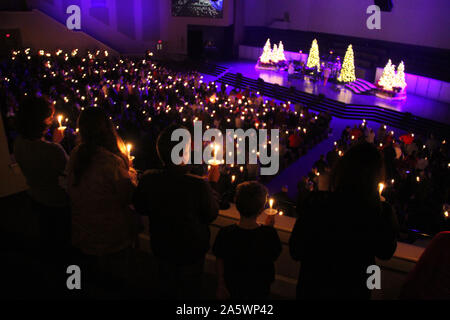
<point>180,206</point>
<point>43,163</point>
<point>101,182</point>
<point>339,233</point>
<point>246,252</point>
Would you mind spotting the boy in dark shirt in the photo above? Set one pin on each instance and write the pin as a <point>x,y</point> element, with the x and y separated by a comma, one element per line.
<point>246,252</point>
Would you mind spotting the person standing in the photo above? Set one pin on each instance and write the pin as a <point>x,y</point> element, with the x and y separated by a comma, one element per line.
<point>180,206</point>
<point>326,75</point>
<point>101,181</point>
<point>246,252</point>
<point>43,163</point>
<point>339,233</point>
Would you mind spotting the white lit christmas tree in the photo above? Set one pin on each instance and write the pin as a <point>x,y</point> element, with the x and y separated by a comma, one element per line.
<point>266,56</point>
<point>274,56</point>
<point>280,52</point>
<point>313,57</point>
<point>387,80</point>
<point>348,67</point>
<point>400,81</point>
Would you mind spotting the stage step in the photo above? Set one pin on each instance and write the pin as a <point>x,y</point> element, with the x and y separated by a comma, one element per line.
<point>360,86</point>
<point>210,69</point>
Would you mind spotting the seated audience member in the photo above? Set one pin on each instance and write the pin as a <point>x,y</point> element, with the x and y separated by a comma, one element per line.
<point>340,233</point>
<point>180,207</point>
<point>430,278</point>
<point>246,252</point>
<point>101,182</point>
<point>43,164</point>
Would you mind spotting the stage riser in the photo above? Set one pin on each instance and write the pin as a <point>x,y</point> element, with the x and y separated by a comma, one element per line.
<point>393,118</point>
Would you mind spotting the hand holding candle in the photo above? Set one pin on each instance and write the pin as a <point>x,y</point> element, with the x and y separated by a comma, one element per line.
<point>129,147</point>
<point>380,191</point>
<point>214,160</point>
<point>270,211</point>
<point>61,127</point>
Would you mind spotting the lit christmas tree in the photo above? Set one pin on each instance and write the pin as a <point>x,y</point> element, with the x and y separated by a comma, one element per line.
<point>313,57</point>
<point>400,81</point>
<point>387,80</point>
<point>266,56</point>
<point>348,67</point>
<point>274,57</point>
<point>280,53</point>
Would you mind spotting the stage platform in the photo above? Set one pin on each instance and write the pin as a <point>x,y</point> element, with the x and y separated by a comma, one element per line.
<point>416,105</point>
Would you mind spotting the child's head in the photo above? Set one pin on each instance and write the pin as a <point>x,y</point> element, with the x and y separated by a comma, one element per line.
<point>251,197</point>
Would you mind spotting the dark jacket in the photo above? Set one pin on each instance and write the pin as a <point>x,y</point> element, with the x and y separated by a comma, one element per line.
<point>180,208</point>
<point>335,239</point>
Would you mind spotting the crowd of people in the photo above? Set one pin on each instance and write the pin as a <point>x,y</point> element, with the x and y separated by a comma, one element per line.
<point>89,197</point>
<point>416,180</point>
<point>141,98</point>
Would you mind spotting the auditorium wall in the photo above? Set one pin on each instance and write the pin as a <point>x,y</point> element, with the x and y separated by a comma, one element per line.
<point>38,31</point>
<point>129,26</point>
<point>132,26</point>
<point>417,22</point>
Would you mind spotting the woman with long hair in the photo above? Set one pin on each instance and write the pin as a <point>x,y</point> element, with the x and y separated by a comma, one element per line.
<point>341,232</point>
<point>43,163</point>
<point>101,182</point>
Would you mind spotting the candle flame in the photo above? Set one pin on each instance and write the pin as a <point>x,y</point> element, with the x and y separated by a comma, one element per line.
<point>60,119</point>
<point>380,188</point>
<point>271,203</point>
<point>129,147</point>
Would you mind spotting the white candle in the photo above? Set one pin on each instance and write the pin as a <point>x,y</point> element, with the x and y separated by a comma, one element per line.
<point>129,147</point>
<point>380,188</point>
<point>270,211</point>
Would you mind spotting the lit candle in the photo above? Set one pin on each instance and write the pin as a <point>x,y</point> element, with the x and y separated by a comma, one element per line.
<point>233,178</point>
<point>380,188</point>
<point>446,214</point>
<point>61,127</point>
<point>214,161</point>
<point>216,148</point>
<point>129,147</point>
<point>281,213</point>
<point>270,211</point>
